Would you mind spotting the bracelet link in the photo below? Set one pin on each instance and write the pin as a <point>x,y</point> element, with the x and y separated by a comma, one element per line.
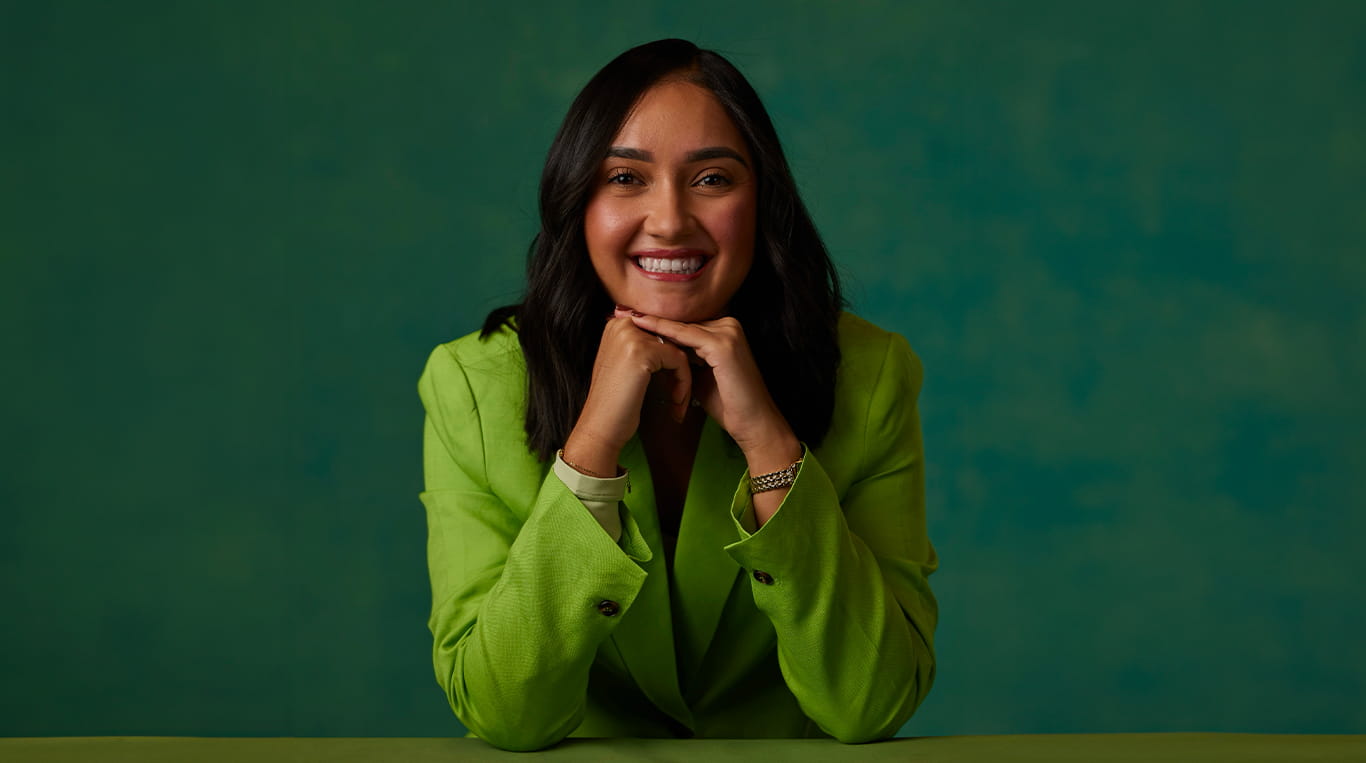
<point>775,480</point>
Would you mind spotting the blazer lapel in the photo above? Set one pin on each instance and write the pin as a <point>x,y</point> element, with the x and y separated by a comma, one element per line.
<point>644,637</point>
<point>703,571</point>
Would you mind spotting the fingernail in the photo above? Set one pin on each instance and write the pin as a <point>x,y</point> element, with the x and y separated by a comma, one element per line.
<point>636,313</point>
<point>624,308</point>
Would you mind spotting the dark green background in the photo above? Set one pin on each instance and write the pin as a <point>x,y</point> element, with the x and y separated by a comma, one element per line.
<point>1125,238</point>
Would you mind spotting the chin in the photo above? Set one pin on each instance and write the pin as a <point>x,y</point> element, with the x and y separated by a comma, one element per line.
<point>681,307</point>
<point>680,314</point>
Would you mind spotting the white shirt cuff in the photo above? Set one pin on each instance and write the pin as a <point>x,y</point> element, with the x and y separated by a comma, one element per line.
<point>602,497</point>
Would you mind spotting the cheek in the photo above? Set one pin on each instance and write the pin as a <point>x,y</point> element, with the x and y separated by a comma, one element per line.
<point>606,233</point>
<point>605,225</point>
<point>594,227</point>
<point>734,229</point>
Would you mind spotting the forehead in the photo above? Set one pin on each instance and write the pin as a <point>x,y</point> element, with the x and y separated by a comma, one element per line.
<point>677,117</point>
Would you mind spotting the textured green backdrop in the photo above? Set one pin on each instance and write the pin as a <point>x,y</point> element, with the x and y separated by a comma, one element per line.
<point>1127,240</point>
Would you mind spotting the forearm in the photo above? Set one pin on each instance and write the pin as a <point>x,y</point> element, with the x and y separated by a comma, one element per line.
<point>776,452</point>
<point>855,630</point>
<point>859,668</point>
<point>518,570</point>
<point>591,454</point>
<point>513,646</point>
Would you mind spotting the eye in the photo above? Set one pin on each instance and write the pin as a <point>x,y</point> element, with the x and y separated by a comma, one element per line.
<point>621,176</point>
<point>713,180</point>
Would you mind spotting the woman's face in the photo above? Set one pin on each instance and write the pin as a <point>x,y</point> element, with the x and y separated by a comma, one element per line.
<point>670,225</point>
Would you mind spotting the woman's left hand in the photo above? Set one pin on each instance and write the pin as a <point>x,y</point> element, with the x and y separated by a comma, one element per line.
<point>733,392</point>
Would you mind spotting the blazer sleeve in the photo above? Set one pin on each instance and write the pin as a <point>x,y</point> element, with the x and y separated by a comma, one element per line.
<point>521,595</point>
<point>844,579</point>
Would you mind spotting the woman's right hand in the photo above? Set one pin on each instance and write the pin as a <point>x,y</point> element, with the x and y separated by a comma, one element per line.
<point>627,359</point>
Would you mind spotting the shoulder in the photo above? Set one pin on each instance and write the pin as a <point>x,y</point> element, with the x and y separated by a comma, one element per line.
<point>477,373</point>
<point>868,351</point>
<point>496,355</point>
<point>470,351</point>
<point>876,392</point>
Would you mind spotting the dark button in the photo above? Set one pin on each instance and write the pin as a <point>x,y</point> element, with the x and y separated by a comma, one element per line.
<point>763,577</point>
<point>608,607</point>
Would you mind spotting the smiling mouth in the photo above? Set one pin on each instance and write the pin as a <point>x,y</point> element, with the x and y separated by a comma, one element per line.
<point>670,265</point>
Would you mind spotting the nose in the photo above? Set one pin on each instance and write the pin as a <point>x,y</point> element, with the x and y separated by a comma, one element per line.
<point>669,214</point>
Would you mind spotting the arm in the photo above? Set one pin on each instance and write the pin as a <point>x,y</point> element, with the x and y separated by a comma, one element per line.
<point>848,597</point>
<point>516,590</point>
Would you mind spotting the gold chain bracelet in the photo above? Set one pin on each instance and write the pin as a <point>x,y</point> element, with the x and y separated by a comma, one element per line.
<point>774,480</point>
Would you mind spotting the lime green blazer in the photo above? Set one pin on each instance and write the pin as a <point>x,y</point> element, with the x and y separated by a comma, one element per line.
<point>819,623</point>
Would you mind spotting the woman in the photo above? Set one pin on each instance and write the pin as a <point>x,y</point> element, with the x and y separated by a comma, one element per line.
<point>705,516</point>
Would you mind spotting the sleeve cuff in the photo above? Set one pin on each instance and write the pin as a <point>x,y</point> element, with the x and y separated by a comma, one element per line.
<point>742,503</point>
<point>602,497</point>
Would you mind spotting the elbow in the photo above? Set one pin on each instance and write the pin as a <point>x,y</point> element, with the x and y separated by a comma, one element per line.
<point>517,736</point>
<point>883,716</point>
<point>516,741</point>
<point>516,723</point>
<point>861,731</point>
<point>864,727</point>
<point>855,735</point>
<point>506,712</point>
<point>855,730</point>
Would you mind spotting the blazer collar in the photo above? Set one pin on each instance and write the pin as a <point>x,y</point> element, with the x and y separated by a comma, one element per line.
<point>644,637</point>
<point>702,577</point>
<point>703,572</point>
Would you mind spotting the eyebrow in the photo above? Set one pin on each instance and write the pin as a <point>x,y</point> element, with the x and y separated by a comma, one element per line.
<point>700,155</point>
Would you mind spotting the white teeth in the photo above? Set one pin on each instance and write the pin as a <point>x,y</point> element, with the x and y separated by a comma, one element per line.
<point>670,265</point>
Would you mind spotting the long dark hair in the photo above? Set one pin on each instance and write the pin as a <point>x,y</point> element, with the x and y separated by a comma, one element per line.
<point>788,304</point>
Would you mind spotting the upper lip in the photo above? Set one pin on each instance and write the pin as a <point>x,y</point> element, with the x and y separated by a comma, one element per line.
<point>667,254</point>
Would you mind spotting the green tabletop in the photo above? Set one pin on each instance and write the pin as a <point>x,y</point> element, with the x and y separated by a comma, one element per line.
<point>1052,748</point>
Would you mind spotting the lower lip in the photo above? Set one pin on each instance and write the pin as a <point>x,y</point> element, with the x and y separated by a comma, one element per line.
<point>672,276</point>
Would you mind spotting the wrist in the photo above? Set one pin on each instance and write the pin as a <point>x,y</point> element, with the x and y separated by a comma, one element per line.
<point>776,451</point>
<point>591,455</point>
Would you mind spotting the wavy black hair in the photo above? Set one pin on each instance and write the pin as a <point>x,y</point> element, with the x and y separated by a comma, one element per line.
<point>788,304</point>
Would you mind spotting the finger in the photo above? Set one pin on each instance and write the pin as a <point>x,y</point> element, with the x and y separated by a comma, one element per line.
<point>710,346</point>
<point>690,352</point>
<point>685,334</point>
<point>680,392</point>
<point>616,328</point>
<point>724,322</point>
<point>704,386</point>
